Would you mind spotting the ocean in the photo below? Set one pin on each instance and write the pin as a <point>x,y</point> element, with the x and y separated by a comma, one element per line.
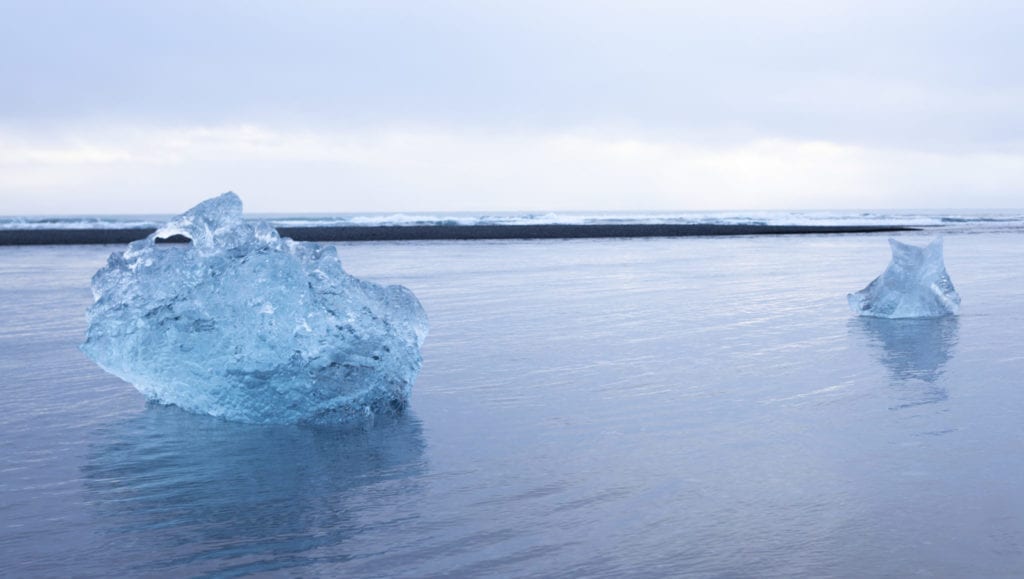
<point>973,220</point>
<point>686,406</point>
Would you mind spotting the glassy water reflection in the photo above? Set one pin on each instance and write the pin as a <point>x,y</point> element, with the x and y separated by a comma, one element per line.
<point>915,352</point>
<point>263,497</point>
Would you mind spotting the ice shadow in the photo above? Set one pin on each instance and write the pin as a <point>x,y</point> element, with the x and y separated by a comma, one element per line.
<point>196,493</point>
<point>915,352</point>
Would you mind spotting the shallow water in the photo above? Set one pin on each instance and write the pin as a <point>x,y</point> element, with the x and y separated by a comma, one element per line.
<point>689,406</point>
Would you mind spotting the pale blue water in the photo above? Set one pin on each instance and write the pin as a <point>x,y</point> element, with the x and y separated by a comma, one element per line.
<point>683,407</point>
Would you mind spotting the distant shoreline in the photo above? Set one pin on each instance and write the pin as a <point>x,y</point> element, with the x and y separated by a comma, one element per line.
<point>455,232</point>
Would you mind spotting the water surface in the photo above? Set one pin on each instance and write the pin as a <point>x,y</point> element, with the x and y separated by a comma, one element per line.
<point>689,406</point>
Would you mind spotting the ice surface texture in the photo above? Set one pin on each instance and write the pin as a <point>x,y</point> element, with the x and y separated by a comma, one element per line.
<point>915,285</point>
<point>249,326</point>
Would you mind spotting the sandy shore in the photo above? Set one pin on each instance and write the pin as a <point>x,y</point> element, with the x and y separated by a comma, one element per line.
<point>450,232</point>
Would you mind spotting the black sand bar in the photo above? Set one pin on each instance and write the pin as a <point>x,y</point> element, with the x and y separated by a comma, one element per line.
<point>453,232</point>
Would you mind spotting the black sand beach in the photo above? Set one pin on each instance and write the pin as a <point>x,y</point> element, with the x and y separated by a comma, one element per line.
<point>452,232</point>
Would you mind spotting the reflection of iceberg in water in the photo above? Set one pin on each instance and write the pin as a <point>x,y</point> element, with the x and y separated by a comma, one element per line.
<point>198,493</point>
<point>913,350</point>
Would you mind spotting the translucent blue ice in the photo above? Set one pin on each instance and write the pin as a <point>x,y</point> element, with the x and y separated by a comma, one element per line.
<point>915,285</point>
<point>249,326</point>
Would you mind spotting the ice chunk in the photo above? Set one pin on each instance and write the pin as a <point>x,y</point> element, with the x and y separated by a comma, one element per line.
<point>915,285</point>
<point>246,325</point>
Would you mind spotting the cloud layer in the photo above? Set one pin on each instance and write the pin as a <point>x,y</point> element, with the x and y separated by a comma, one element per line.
<point>158,169</point>
<point>509,105</point>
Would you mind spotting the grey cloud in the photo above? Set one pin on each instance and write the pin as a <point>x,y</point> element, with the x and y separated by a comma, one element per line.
<point>928,75</point>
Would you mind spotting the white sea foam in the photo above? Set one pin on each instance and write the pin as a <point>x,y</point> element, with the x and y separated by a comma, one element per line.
<point>944,221</point>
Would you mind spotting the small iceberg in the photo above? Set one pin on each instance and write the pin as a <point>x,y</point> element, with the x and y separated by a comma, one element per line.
<point>915,285</point>
<point>243,324</point>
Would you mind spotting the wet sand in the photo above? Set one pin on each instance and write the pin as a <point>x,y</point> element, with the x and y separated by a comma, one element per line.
<point>451,232</point>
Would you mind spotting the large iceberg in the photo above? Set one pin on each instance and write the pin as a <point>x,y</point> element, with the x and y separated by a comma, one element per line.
<point>915,285</point>
<point>249,326</point>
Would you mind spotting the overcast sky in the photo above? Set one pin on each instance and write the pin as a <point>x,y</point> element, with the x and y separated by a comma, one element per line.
<point>151,106</point>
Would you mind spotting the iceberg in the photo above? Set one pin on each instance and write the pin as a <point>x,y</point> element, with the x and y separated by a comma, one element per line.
<point>915,285</point>
<point>246,325</point>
